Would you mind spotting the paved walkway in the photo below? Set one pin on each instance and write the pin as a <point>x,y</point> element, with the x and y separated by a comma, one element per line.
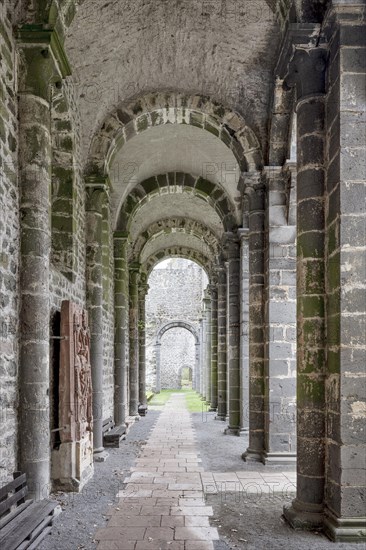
<point>163,504</point>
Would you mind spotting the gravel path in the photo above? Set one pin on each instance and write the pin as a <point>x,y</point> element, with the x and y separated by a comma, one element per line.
<point>82,513</point>
<point>249,522</point>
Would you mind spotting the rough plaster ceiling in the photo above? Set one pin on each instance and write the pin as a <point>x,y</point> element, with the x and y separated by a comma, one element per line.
<point>169,148</point>
<point>178,205</point>
<point>122,49</point>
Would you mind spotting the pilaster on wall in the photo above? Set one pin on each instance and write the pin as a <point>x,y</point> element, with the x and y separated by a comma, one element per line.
<point>43,62</point>
<point>280,323</point>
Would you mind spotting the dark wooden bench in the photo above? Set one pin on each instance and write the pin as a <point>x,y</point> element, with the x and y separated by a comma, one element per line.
<point>112,434</point>
<point>142,410</point>
<point>23,522</point>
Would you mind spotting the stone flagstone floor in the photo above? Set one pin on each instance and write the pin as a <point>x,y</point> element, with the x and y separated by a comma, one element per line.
<point>162,505</point>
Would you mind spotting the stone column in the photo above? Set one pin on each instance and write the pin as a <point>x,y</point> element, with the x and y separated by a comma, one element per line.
<point>134,339</point>
<point>280,323</point>
<point>143,289</point>
<point>346,274</point>
<point>41,64</point>
<point>201,371</point>
<point>196,381</point>
<point>120,326</point>
<point>231,245</point>
<point>204,351</point>
<point>158,367</point>
<point>221,345</point>
<point>256,194</point>
<point>214,313</point>
<point>208,350</point>
<point>97,194</point>
<point>307,72</point>
<point>244,328</point>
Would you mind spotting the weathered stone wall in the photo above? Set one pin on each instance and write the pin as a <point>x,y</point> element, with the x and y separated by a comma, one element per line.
<point>177,351</point>
<point>175,293</point>
<point>9,248</point>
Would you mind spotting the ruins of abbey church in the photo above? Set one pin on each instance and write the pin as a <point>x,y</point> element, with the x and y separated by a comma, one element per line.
<point>227,133</point>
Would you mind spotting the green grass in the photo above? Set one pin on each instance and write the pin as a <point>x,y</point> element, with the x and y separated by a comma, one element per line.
<point>193,400</point>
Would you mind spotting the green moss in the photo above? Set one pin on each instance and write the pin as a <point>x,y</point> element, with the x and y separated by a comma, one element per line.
<point>310,391</point>
<point>312,306</point>
<point>142,123</point>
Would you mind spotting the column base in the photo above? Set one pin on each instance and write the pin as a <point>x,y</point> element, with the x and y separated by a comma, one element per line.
<point>221,417</point>
<point>252,456</point>
<point>278,458</point>
<point>100,455</point>
<point>244,431</point>
<point>232,431</point>
<point>305,516</point>
<point>344,529</point>
<point>212,409</point>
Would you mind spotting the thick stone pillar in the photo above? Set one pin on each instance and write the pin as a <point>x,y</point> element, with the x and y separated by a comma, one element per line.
<point>134,339</point>
<point>280,323</point>
<point>41,64</point>
<point>244,328</point>
<point>214,314</point>
<point>346,274</point>
<point>231,245</point>
<point>120,326</point>
<point>221,345</point>
<point>143,289</point>
<point>256,194</point>
<point>208,349</point>
<point>307,72</point>
<point>97,195</point>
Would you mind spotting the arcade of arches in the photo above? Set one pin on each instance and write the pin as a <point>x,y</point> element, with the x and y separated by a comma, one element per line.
<point>227,133</point>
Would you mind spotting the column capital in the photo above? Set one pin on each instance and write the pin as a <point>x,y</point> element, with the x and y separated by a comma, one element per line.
<point>243,233</point>
<point>250,179</point>
<point>302,61</point>
<point>43,60</point>
<point>97,193</point>
<point>135,267</point>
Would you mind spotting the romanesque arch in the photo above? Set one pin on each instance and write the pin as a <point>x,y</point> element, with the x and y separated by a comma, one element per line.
<point>160,333</point>
<point>153,110</point>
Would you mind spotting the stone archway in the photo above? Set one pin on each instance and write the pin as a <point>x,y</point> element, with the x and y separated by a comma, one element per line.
<point>162,330</point>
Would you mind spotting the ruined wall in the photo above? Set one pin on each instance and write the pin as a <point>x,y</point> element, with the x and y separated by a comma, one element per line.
<point>177,351</point>
<point>9,247</point>
<point>175,293</point>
